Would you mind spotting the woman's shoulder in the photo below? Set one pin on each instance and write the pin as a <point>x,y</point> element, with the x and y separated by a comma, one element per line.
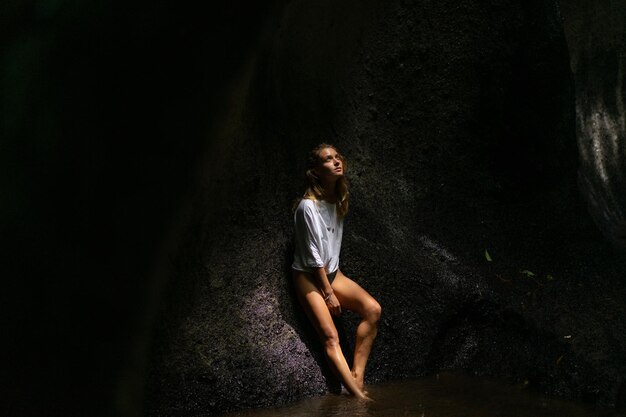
<point>307,204</point>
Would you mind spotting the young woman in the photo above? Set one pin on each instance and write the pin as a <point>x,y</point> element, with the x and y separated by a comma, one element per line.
<point>322,289</point>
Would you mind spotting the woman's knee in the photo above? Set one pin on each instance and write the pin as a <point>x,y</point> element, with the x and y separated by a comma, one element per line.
<point>330,337</point>
<point>373,310</point>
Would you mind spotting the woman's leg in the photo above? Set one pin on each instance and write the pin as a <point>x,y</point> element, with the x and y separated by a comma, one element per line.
<point>355,298</point>
<point>315,308</point>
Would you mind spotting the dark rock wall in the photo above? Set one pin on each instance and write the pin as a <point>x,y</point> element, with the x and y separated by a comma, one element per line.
<point>458,123</point>
<point>105,107</point>
<point>151,154</point>
<point>596,33</point>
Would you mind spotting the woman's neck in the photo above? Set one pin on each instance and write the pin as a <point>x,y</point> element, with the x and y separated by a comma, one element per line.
<point>330,195</point>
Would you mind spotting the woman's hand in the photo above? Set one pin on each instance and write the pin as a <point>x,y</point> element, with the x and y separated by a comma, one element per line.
<point>333,305</point>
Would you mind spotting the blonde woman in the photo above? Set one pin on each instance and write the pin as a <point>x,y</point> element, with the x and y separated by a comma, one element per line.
<point>322,289</point>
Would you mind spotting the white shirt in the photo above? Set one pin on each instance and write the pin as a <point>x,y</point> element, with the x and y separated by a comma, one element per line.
<point>318,232</point>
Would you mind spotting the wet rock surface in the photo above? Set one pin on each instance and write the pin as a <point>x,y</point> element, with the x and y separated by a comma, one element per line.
<point>596,35</point>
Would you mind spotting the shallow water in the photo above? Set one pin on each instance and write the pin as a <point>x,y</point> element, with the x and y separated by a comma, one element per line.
<point>444,395</point>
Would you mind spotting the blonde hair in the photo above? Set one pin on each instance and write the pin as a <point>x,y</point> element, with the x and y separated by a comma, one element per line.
<point>315,191</point>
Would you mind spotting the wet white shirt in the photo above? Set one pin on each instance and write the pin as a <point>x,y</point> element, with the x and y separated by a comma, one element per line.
<point>318,231</point>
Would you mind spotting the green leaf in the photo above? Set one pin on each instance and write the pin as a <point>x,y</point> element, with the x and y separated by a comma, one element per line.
<point>549,277</point>
<point>527,273</point>
<point>487,256</point>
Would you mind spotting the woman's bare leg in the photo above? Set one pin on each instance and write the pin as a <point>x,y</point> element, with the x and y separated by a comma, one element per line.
<point>352,297</point>
<point>315,308</point>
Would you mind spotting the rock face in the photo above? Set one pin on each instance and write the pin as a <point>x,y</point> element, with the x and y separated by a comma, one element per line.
<point>105,108</point>
<point>152,152</point>
<point>458,124</point>
<point>596,36</point>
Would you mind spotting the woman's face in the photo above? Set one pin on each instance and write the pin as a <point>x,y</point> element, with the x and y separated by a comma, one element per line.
<point>331,165</point>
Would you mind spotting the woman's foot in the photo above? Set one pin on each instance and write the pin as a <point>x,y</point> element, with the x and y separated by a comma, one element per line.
<point>357,393</point>
<point>363,396</point>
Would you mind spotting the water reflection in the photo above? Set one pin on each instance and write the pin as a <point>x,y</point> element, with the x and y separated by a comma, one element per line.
<point>444,395</point>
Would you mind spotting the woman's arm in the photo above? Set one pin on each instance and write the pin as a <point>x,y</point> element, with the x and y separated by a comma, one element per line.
<point>327,291</point>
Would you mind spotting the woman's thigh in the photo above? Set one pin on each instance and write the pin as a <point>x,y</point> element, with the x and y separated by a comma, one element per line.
<point>314,305</point>
<point>352,296</point>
